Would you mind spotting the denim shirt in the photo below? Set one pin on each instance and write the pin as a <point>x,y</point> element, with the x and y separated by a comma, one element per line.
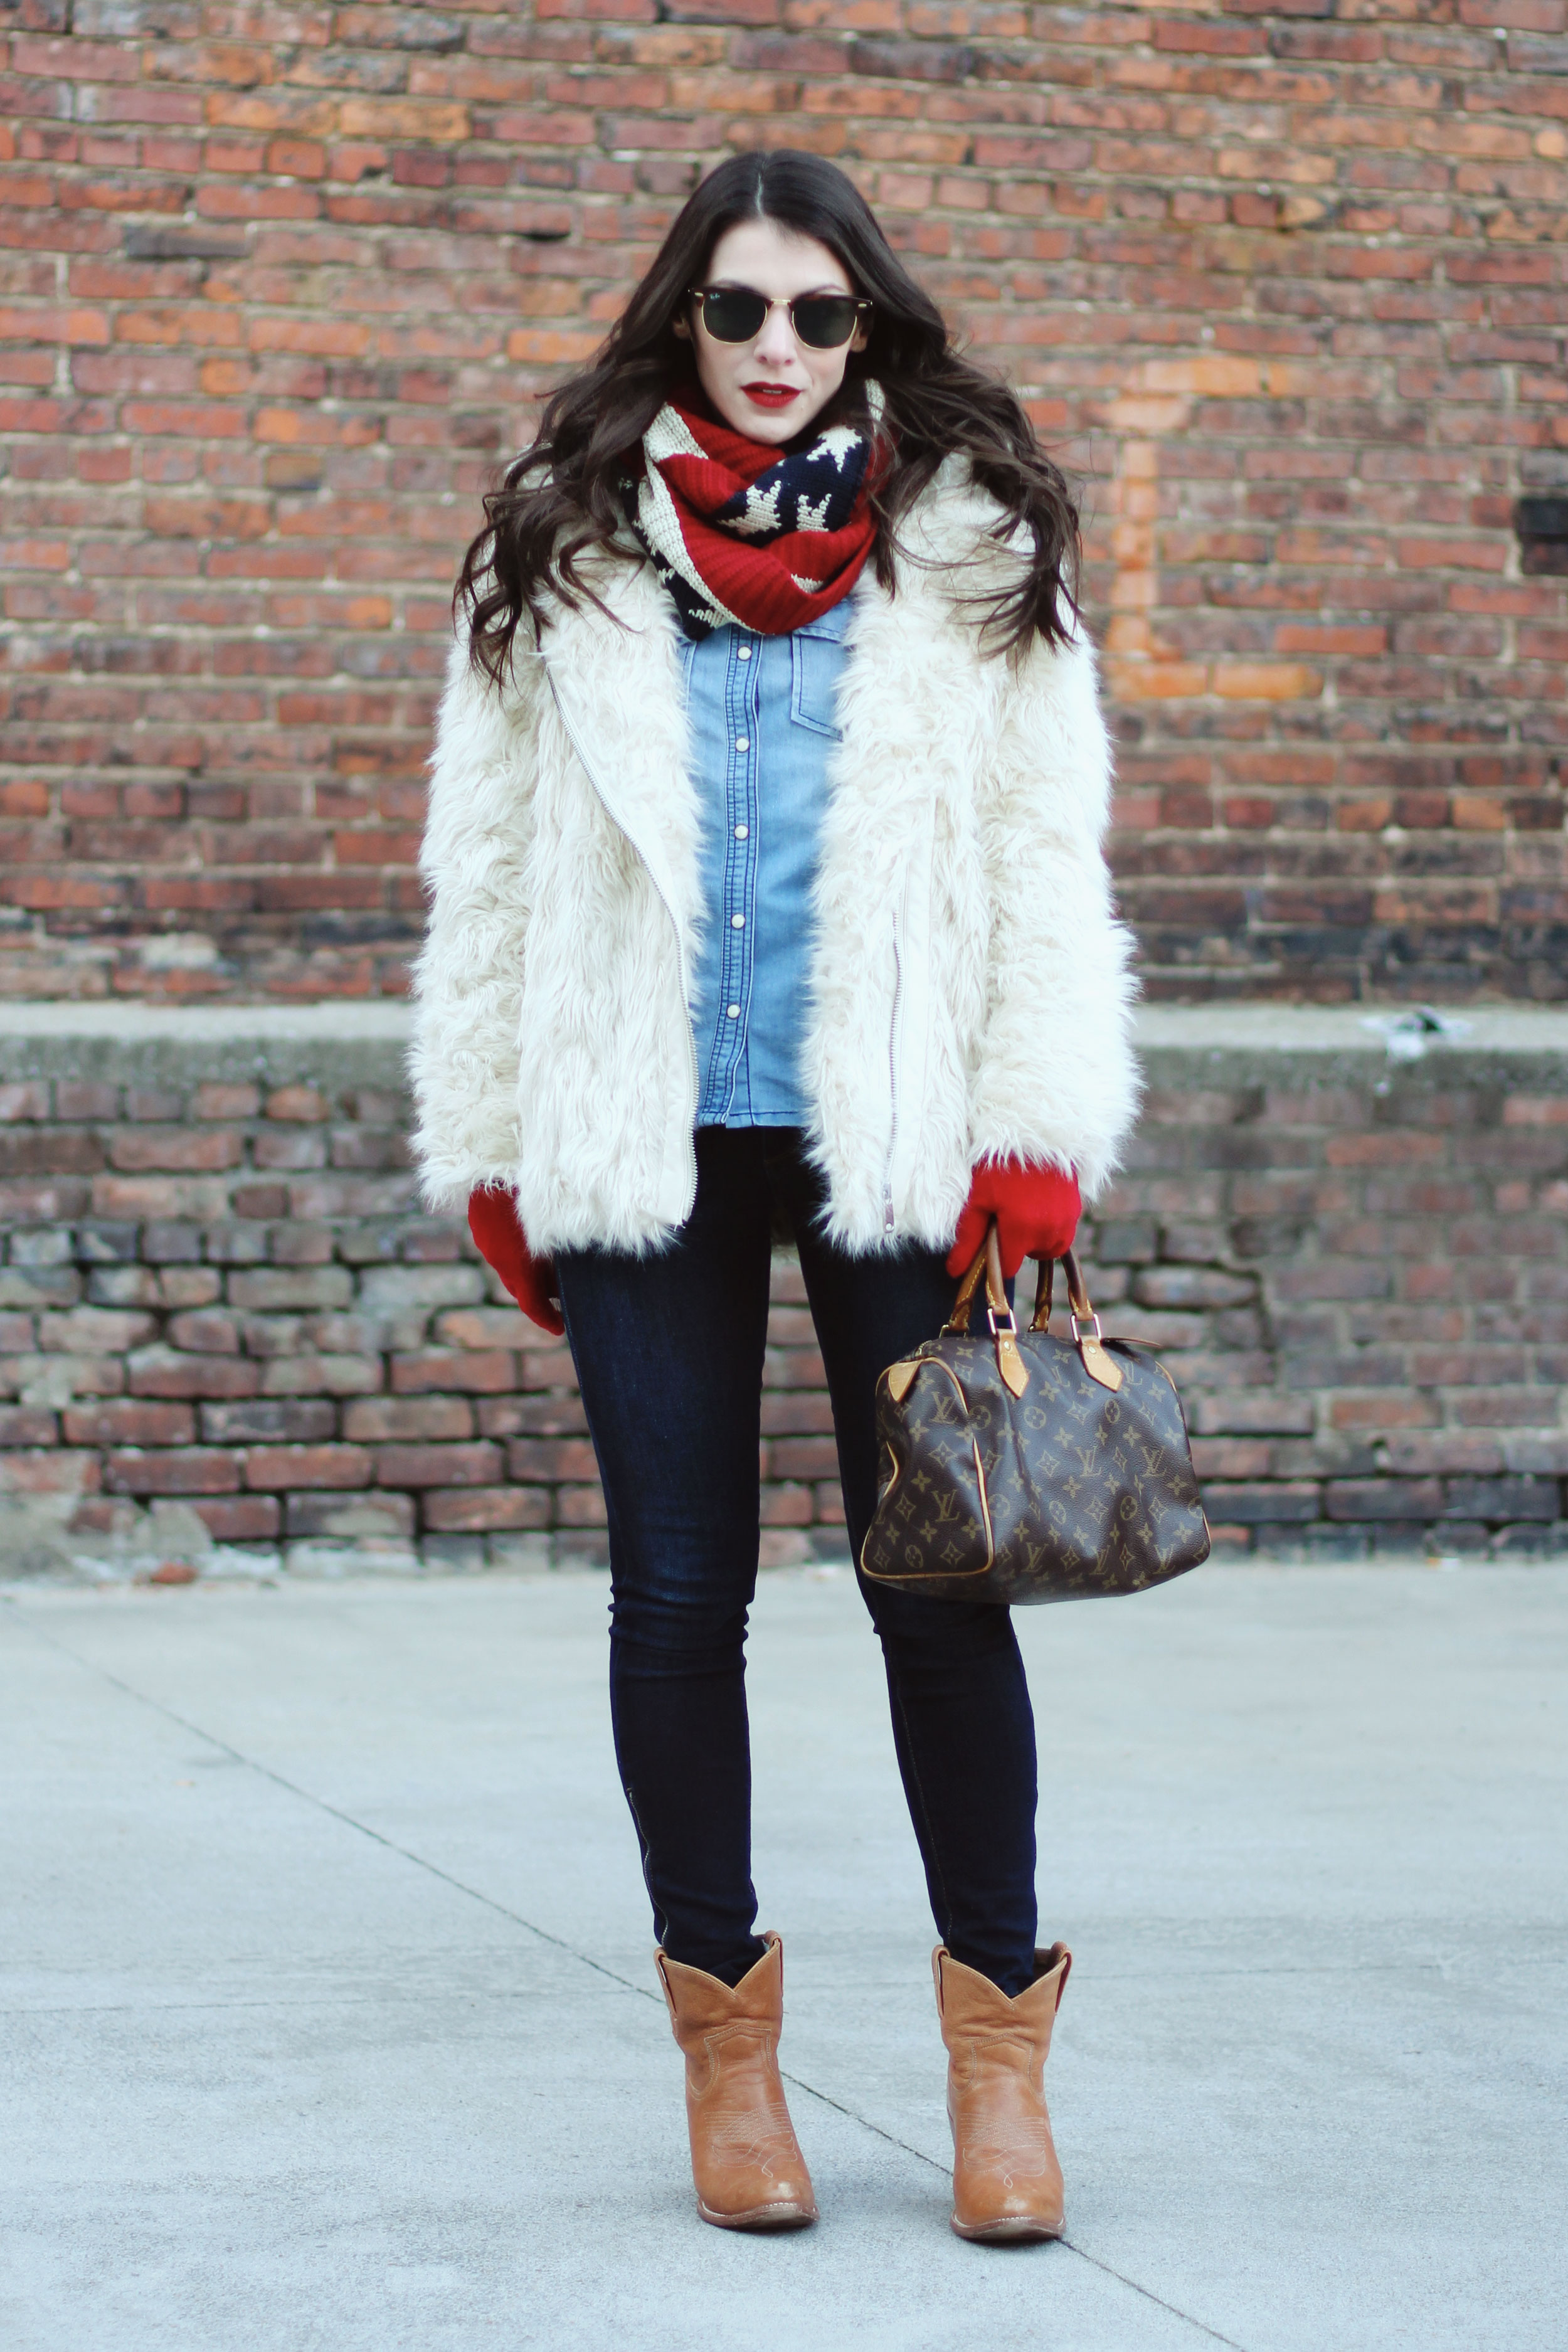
<point>762,718</point>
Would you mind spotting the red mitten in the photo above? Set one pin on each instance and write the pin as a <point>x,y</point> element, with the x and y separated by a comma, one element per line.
<point>1036,1212</point>
<point>494,1223</point>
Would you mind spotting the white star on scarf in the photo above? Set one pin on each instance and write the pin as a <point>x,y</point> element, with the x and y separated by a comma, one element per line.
<point>762,513</point>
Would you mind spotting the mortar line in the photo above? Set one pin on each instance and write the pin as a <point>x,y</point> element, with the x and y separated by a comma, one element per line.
<point>490,1902</point>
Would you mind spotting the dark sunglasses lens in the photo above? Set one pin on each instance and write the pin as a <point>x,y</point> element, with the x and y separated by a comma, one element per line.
<point>733,314</point>
<point>822,321</point>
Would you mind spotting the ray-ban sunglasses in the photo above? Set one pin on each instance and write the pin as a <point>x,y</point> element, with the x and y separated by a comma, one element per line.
<point>737,314</point>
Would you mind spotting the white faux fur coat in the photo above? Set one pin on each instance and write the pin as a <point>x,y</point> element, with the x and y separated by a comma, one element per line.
<point>970,990</point>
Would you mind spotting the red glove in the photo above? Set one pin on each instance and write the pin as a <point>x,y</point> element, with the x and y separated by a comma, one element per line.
<point>1036,1212</point>
<point>494,1223</point>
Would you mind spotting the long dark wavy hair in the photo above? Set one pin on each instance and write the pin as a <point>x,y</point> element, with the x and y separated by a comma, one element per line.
<point>562,498</point>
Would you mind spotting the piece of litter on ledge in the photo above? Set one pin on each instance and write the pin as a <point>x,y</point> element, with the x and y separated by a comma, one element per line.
<point>1408,1035</point>
<point>1448,1560</point>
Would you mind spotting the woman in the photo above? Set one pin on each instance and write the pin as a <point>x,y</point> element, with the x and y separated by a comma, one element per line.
<point>768,898</point>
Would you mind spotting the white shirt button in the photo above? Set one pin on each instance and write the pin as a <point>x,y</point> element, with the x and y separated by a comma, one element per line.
<point>743,653</point>
<point>732,1012</point>
<point>742,833</point>
<point>741,744</point>
<point>737,922</point>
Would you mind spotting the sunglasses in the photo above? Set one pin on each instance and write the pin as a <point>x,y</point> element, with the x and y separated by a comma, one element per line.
<point>737,314</point>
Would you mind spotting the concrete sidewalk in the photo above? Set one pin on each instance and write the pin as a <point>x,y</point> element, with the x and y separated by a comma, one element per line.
<point>328,2013</point>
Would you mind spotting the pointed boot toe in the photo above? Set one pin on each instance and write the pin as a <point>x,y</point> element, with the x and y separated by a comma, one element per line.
<point>746,2164</point>
<point>1007,2181</point>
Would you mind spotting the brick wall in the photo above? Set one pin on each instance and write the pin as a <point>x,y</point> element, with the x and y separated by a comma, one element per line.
<point>220,1293</point>
<point>1285,285</point>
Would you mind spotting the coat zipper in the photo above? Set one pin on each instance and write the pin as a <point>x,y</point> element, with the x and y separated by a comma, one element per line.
<point>694,1076</point>
<point>888,1220</point>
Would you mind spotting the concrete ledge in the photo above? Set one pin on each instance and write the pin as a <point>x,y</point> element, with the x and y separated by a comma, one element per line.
<point>1356,1031</point>
<point>337,1046</point>
<point>334,1043</point>
<point>130,1021</point>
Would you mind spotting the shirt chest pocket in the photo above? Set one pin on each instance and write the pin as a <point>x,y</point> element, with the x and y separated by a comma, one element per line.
<point>815,667</point>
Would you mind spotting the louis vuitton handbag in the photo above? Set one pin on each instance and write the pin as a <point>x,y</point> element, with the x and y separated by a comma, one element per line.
<point>1019,1466</point>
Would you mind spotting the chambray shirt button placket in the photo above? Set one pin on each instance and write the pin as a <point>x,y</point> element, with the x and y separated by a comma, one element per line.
<point>737,971</point>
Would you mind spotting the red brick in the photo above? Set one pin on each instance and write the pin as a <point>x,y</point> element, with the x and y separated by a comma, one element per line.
<point>54,1472</point>
<point>165,1372</point>
<point>297,1103</point>
<point>803,1458</point>
<point>479,1465</point>
<point>369,1420</point>
<point>487,1373</point>
<point>125,1421</point>
<point>475,1510</point>
<point>28,1098</point>
<point>579,1507</point>
<point>240,1519</point>
<point>278,1468</point>
<point>31,1424</point>
<point>177,1470</point>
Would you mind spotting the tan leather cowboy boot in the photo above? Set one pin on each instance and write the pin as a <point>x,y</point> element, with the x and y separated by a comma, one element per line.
<point>745,2159</point>
<point>1006,2182</point>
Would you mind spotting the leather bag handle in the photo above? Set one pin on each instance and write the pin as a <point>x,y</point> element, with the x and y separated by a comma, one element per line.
<point>1077,1293</point>
<point>998,1313</point>
<point>1087,1338</point>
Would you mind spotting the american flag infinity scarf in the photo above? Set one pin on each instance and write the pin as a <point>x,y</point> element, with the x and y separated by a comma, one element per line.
<point>739,531</point>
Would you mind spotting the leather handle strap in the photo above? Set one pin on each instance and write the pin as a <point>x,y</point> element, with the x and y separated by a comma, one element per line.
<point>1086,1331</point>
<point>1078,1294</point>
<point>986,1262</point>
<point>999,1315</point>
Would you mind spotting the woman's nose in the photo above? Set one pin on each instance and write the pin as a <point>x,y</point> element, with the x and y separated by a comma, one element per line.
<point>776,342</point>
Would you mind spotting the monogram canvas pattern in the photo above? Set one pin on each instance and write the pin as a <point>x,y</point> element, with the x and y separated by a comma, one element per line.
<point>1063,1493</point>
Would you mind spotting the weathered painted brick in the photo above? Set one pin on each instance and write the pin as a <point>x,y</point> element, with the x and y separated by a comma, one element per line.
<point>276,1468</point>
<point>391,1289</point>
<point>487,1372</point>
<point>479,1465</point>
<point>128,1421</point>
<point>1365,1362</point>
<point>33,1425</point>
<point>349,1518</point>
<point>314,1375</point>
<point>371,1420</point>
<point>1290,1501</point>
<point>178,1470</point>
<point>474,1510</point>
<point>254,1418</point>
<point>160,1372</point>
<point>266,1290</point>
<point>1383,1499</point>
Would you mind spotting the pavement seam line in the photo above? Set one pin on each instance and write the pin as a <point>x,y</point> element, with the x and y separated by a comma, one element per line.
<point>515,1919</point>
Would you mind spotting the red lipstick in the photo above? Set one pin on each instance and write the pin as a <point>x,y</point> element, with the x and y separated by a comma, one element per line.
<point>770,395</point>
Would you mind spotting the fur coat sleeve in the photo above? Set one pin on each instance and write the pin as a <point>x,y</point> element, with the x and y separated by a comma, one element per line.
<point>1054,1080</point>
<point>469,976</point>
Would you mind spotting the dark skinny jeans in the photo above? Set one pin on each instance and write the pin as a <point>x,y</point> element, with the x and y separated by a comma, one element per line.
<point>669,1349</point>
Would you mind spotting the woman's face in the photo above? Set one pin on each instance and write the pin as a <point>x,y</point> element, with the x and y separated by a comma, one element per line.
<point>770,388</point>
